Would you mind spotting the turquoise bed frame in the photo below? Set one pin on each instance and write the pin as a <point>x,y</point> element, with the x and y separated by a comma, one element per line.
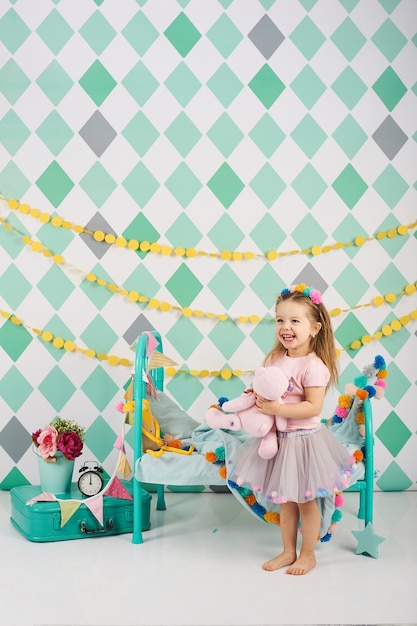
<point>364,486</point>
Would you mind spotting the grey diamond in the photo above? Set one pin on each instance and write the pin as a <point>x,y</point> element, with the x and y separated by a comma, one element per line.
<point>266,36</point>
<point>97,222</point>
<point>140,325</point>
<point>15,439</point>
<point>311,278</point>
<point>390,137</point>
<point>97,133</point>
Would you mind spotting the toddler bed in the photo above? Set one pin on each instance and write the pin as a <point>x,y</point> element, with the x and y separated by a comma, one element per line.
<point>204,459</point>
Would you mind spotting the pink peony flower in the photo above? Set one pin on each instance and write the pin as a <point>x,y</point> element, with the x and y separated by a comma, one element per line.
<point>47,442</point>
<point>70,444</point>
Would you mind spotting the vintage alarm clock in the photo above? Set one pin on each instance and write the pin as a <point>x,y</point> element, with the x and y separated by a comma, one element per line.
<point>91,480</point>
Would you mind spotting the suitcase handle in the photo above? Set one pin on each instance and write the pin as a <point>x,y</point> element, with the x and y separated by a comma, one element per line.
<point>95,531</point>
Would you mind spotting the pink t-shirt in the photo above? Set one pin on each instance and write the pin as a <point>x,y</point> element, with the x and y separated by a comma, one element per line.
<point>305,371</point>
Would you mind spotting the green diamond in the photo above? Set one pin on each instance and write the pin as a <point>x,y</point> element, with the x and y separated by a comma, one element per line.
<point>264,333</point>
<point>13,183</point>
<point>183,233</point>
<point>347,231</point>
<point>308,4</point>
<point>309,136</point>
<point>351,284</point>
<point>389,5</point>
<point>226,286</point>
<point>183,134</point>
<point>14,388</point>
<point>349,87</point>
<point>182,34</point>
<point>397,386</point>
<point>308,87</point>
<point>96,294</point>
<point>349,5</point>
<point>54,31</point>
<point>309,185</point>
<point>13,132</point>
<point>389,88</point>
<point>14,478</point>
<point>184,286</point>
<point>224,35</point>
<point>55,286</point>
<point>308,231</point>
<point>100,439</point>
<point>140,83</point>
<point>394,479</point>
<point>99,335</point>
<point>100,388</point>
<point>184,336</point>
<point>349,186</point>
<point>97,82</point>
<point>140,133</point>
<point>57,327</point>
<point>183,84</point>
<point>395,342</point>
<point>231,388</point>
<point>265,286</point>
<point>226,234</point>
<point>13,286</point>
<point>267,234</point>
<point>13,31</point>
<point>13,245</point>
<point>98,184</point>
<point>54,82</point>
<point>225,135</point>
<point>227,337</point>
<point>14,339</point>
<point>185,389</point>
<point>391,245</point>
<point>266,86</point>
<point>348,39</point>
<point>13,82</point>
<point>348,331</point>
<point>140,33</point>
<point>267,185</point>
<point>390,281</point>
<point>141,184</point>
<point>97,32</point>
<point>267,135</point>
<point>54,132</point>
<point>57,388</point>
<point>225,85</point>
<point>307,37</point>
<point>142,230</point>
<point>226,185</point>
<point>389,40</point>
<point>55,184</point>
<point>390,186</point>
<point>56,239</point>
<point>183,185</point>
<point>143,281</point>
<point>350,136</point>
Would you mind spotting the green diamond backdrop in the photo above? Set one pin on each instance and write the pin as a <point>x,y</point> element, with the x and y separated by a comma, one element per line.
<point>214,126</point>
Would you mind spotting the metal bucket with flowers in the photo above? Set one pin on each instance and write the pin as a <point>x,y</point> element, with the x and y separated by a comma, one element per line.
<point>57,446</point>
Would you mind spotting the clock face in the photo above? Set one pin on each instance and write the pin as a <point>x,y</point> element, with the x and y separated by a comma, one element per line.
<point>90,483</point>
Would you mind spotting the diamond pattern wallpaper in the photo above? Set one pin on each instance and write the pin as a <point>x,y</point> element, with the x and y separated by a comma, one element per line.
<point>173,165</point>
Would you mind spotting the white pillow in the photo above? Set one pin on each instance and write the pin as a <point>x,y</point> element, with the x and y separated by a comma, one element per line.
<point>172,419</point>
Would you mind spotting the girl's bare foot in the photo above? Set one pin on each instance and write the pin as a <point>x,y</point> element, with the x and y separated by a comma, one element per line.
<point>302,565</point>
<point>282,560</point>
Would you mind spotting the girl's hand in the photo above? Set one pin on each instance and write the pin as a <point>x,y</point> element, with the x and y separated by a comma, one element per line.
<point>269,407</point>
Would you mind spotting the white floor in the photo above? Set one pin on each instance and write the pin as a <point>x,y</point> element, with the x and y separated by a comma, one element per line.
<point>200,564</point>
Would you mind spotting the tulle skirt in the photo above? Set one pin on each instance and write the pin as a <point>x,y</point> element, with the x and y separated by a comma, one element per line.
<point>309,464</point>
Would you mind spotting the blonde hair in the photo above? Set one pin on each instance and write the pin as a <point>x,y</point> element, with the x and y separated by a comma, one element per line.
<point>322,344</point>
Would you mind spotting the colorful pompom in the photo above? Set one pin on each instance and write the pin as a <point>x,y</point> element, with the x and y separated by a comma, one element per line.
<point>362,430</point>
<point>371,390</point>
<point>360,381</point>
<point>341,412</point>
<point>337,515</point>
<point>360,417</point>
<point>223,472</point>
<point>345,401</point>
<point>379,393</point>
<point>222,400</point>
<point>380,383</point>
<point>362,394</point>
<point>339,500</point>
<point>379,362</point>
<point>211,457</point>
<point>382,374</point>
<point>326,538</point>
<point>250,499</point>
<point>220,453</point>
<point>350,389</point>
<point>358,456</point>
<point>272,517</point>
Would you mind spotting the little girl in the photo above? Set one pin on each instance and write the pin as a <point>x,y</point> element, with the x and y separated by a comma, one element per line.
<point>310,462</point>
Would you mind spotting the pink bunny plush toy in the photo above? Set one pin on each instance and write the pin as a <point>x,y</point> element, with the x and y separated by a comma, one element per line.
<point>242,413</point>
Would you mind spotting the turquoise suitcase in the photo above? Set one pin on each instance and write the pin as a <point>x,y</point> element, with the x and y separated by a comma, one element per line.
<point>41,521</point>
